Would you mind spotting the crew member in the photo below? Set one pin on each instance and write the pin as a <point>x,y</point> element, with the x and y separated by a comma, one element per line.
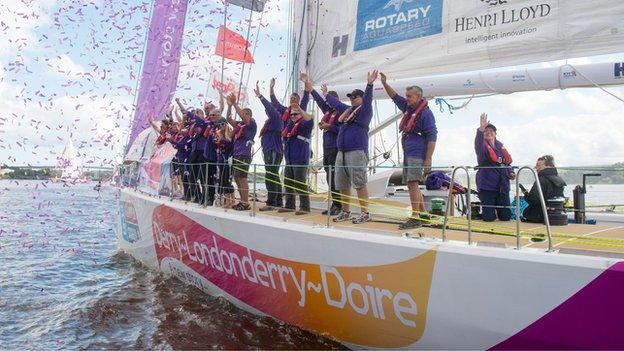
<point>244,133</point>
<point>552,186</point>
<point>330,126</point>
<point>494,173</point>
<point>352,143</point>
<point>418,140</point>
<point>273,152</point>
<point>224,147</point>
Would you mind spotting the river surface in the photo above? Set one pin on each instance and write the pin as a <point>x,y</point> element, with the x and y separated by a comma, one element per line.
<point>63,285</point>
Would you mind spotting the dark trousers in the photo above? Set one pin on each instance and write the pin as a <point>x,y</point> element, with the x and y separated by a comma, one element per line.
<point>210,186</point>
<point>225,179</point>
<point>329,159</point>
<point>295,182</point>
<point>272,162</point>
<point>494,198</point>
<point>185,170</point>
<point>198,175</point>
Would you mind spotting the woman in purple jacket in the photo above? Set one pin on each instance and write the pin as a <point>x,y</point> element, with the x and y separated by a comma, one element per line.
<point>494,173</point>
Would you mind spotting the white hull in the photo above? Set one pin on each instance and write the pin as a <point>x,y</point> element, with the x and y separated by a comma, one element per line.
<point>331,281</point>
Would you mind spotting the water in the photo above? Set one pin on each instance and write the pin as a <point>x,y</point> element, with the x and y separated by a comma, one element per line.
<point>64,285</point>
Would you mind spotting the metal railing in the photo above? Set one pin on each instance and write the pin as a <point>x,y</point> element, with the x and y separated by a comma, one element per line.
<point>542,202</point>
<point>469,208</point>
<point>194,189</point>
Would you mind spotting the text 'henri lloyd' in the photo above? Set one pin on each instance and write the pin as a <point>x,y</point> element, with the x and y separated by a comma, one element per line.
<point>504,16</point>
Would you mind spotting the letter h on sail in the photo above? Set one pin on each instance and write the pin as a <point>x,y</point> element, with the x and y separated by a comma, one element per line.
<point>618,69</point>
<point>340,45</point>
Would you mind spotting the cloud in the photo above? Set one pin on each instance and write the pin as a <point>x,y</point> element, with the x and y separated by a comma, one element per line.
<point>18,22</point>
<point>65,66</point>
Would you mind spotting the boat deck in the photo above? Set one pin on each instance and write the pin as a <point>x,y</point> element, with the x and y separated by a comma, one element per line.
<point>593,240</point>
<point>583,239</point>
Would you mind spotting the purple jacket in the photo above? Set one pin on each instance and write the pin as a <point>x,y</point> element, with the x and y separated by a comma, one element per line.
<point>271,140</point>
<point>297,151</point>
<point>183,147</point>
<point>415,143</point>
<point>242,145</point>
<point>330,136</point>
<point>492,179</point>
<point>354,135</point>
<point>198,141</point>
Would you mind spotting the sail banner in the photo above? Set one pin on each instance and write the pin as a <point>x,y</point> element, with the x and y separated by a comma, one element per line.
<point>411,38</point>
<point>161,63</point>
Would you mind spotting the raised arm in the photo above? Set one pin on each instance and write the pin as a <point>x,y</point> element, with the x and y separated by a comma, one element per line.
<point>182,108</point>
<point>478,142</point>
<point>155,126</point>
<point>278,106</point>
<point>268,107</point>
<point>332,101</point>
<point>228,116</point>
<point>306,116</point>
<point>306,91</point>
<point>320,101</point>
<point>239,111</point>
<point>389,90</point>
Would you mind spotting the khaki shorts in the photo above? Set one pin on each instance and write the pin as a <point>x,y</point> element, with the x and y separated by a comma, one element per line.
<point>412,169</point>
<point>351,169</point>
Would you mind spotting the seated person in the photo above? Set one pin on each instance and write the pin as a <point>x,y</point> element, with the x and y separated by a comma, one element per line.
<point>552,186</point>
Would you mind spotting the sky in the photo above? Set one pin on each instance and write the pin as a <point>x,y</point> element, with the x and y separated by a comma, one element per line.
<point>70,70</point>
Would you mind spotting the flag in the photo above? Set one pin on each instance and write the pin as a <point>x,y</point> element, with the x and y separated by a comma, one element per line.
<point>235,46</point>
<point>161,63</point>
<point>253,5</point>
<point>228,86</point>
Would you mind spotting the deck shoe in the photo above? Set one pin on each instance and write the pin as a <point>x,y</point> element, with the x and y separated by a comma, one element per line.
<point>334,211</point>
<point>242,207</point>
<point>410,224</point>
<point>342,216</point>
<point>362,218</point>
<point>302,212</point>
<point>285,210</point>
<point>266,208</point>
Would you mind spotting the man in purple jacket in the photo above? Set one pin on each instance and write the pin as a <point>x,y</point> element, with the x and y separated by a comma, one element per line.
<point>330,126</point>
<point>419,139</point>
<point>494,173</point>
<point>196,159</point>
<point>244,133</point>
<point>273,152</point>
<point>296,136</point>
<point>352,144</point>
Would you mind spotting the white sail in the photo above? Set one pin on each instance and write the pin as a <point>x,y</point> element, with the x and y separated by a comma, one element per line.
<point>69,165</point>
<point>411,38</point>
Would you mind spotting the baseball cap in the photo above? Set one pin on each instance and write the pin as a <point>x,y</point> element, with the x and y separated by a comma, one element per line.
<point>355,94</point>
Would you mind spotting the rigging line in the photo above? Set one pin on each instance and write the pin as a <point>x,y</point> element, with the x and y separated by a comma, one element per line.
<point>139,75</point>
<point>318,5</point>
<point>240,84</point>
<point>297,50</point>
<point>253,52</point>
<point>223,45</point>
<point>591,81</point>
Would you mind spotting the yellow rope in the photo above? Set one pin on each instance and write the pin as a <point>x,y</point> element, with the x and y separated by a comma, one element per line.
<point>454,222</point>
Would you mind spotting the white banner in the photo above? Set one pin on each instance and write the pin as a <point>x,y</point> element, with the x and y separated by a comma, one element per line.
<point>229,86</point>
<point>411,38</point>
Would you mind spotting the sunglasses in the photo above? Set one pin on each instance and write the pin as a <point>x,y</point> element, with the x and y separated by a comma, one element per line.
<point>354,97</point>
